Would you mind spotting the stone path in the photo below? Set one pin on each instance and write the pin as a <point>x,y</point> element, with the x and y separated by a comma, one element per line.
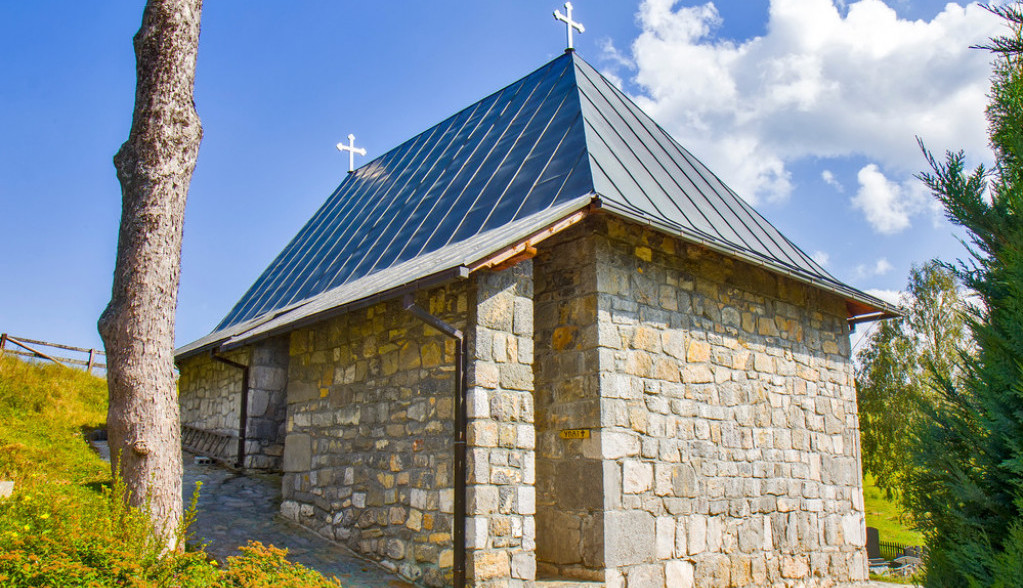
<point>235,508</point>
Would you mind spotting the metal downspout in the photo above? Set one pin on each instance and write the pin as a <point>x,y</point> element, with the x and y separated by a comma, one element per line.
<point>243,423</point>
<point>458,534</point>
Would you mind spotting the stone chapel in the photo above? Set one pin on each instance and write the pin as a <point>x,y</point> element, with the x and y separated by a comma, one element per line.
<point>541,340</point>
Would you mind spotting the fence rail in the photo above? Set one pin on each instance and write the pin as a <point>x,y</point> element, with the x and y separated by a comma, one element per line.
<point>24,347</point>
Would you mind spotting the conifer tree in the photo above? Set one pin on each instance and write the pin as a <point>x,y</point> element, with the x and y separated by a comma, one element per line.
<point>967,484</point>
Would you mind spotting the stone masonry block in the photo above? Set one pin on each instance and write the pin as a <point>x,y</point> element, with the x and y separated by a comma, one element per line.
<point>516,377</point>
<point>484,374</point>
<point>298,449</point>
<point>615,444</point>
<point>488,565</point>
<point>259,400</point>
<point>476,532</point>
<point>482,433</point>
<point>560,535</point>
<point>497,312</point>
<point>665,530</point>
<point>645,576</point>
<point>482,499</point>
<point>477,403</point>
<point>637,476</point>
<point>526,500</point>
<point>679,573</point>
<point>629,537</point>
<point>523,565</point>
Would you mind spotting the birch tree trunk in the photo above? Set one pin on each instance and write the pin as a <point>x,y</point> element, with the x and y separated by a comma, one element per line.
<point>154,167</point>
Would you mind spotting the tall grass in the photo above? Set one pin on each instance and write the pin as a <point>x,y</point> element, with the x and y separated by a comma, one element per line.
<point>65,526</point>
<point>44,410</point>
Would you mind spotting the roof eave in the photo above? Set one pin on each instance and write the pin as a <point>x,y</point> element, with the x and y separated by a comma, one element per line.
<point>861,306</point>
<point>434,280</point>
<point>504,251</point>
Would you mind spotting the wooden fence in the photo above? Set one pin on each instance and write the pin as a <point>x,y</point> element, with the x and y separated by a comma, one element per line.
<point>88,358</point>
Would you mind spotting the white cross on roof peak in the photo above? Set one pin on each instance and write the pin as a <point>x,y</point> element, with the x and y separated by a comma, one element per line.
<point>569,23</point>
<point>352,150</point>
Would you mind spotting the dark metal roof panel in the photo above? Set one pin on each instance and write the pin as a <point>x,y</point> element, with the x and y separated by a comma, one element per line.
<point>412,273</point>
<point>511,155</point>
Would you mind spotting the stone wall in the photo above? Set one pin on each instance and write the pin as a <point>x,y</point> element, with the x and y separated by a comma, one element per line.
<point>501,437</point>
<point>718,397</point>
<point>267,409</point>
<point>210,395</point>
<point>368,455</point>
<point>729,421</point>
<point>569,482</point>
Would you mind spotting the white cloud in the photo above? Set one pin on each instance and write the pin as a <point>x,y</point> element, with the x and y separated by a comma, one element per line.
<point>887,205</point>
<point>821,258</point>
<point>821,82</point>
<point>829,179</point>
<point>881,267</point>
<point>881,201</point>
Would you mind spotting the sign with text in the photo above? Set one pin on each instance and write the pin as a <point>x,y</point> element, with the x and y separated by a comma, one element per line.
<point>574,434</point>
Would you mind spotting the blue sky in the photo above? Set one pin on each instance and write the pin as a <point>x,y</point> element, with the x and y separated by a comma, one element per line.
<point>808,108</point>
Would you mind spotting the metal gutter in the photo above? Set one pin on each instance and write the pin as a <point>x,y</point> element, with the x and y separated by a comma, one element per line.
<point>461,420</point>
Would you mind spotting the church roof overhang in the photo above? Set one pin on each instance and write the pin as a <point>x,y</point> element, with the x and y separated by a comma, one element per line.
<point>492,250</point>
<point>448,264</point>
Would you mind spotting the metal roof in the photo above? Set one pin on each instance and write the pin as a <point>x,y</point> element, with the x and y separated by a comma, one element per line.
<point>555,141</point>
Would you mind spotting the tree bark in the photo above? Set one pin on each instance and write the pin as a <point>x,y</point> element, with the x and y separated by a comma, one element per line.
<point>154,167</point>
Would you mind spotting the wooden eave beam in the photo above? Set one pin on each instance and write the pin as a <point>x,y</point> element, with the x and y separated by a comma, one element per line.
<point>526,248</point>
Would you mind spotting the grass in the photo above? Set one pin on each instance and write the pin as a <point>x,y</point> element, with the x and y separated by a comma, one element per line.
<point>892,523</point>
<point>64,525</point>
<point>44,410</point>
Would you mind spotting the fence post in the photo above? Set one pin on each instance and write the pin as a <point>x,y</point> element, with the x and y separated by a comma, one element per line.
<point>3,343</point>
<point>92,356</point>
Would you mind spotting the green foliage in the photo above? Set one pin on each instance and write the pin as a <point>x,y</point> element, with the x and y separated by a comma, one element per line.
<point>65,524</point>
<point>967,483</point>
<point>888,516</point>
<point>43,411</point>
<point>900,364</point>
<point>267,567</point>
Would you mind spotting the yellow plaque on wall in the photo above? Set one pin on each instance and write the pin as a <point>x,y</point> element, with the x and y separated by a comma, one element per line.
<point>575,434</point>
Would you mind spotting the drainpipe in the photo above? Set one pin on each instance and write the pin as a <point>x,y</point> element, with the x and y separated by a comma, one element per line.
<point>458,537</point>
<point>243,423</point>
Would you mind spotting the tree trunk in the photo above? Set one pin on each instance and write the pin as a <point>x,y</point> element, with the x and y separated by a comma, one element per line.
<point>154,167</point>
